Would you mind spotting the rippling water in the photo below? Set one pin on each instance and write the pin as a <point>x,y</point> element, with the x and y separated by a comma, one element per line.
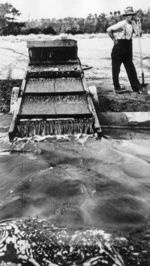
<point>76,181</point>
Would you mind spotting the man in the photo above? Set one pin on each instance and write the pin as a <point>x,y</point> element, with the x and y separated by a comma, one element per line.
<point>121,34</point>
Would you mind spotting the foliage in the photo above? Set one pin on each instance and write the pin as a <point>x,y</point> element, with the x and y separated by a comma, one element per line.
<point>91,24</point>
<point>8,15</point>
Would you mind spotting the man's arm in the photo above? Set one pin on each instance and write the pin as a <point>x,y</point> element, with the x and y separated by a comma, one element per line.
<point>115,28</point>
<point>111,33</point>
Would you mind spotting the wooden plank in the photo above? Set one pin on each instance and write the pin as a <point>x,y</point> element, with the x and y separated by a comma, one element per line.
<point>55,116</point>
<point>52,43</point>
<point>52,62</point>
<point>11,132</point>
<point>91,107</point>
<point>23,85</point>
<point>12,128</point>
<point>54,68</point>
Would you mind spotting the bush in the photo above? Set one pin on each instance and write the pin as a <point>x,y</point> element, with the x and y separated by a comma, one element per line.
<point>49,30</point>
<point>35,30</point>
<point>13,28</point>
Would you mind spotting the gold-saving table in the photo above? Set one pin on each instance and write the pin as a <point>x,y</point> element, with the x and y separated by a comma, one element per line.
<point>54,98</point>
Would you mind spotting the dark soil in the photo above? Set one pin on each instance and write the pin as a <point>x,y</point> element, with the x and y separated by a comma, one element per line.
<point>130,102</point>
<point>109,101</point>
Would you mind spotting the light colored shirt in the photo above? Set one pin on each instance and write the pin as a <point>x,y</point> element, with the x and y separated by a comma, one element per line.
<point>123,30</point>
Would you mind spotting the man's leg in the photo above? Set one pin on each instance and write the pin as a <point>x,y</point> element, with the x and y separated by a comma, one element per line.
<point>116,63</point>
<point>132,75</point>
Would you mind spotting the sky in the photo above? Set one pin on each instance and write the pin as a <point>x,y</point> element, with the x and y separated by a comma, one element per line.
<point>36,9</point>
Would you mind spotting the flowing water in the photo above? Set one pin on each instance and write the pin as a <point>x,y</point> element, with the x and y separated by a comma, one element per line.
<point>32,127</point>
<point>77,182</point>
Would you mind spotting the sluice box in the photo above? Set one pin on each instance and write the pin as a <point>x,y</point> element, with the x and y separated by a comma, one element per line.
<point>54,97</point>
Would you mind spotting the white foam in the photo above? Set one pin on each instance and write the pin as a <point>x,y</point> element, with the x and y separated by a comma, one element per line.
<point>81,138</point>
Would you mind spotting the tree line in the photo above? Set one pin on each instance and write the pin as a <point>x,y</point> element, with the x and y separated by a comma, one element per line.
<point>93,23</point>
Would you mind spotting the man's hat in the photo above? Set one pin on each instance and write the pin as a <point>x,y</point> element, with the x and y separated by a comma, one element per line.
<point>129,11</point>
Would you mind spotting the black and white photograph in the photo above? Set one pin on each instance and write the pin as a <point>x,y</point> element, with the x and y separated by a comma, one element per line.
<point>75,133</point>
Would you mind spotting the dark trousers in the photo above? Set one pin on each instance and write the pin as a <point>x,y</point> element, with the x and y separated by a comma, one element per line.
<point>122,53</point>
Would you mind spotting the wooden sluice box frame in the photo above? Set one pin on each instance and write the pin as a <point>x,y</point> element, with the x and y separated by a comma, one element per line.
<point>48,57</point>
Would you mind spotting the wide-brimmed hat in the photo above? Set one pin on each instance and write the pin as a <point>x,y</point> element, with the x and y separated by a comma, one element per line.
<point>129,11</point>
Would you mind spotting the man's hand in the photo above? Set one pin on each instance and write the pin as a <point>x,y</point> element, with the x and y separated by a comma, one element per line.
<point>136,20</point>
<point>115,41</point>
